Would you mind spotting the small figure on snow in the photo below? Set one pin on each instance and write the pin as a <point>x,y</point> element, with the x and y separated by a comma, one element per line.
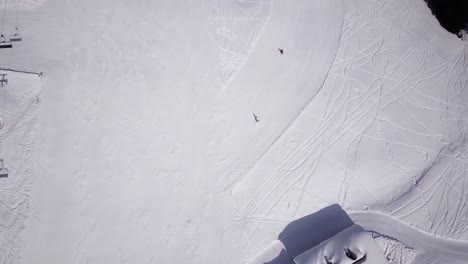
<point>2,39</point>
<point>281,51</point>
<point>256,118</point>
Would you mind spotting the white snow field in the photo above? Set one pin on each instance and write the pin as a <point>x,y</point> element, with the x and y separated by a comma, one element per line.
<point>139,143</point>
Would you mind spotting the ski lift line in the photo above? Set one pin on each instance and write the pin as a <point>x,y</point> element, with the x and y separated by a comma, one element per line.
<point>3,124</point>
<point>17,13</point>
<point>10,58</point>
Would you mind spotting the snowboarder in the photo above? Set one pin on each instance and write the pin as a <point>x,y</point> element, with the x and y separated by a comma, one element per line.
<point>256,118</point>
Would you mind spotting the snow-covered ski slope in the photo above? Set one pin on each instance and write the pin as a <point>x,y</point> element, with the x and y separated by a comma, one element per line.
<point>145,148</point>
<point>138,155</point>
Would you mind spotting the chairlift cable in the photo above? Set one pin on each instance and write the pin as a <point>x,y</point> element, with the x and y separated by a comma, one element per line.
<point>16,31</point>
<point>4,93</point>
<point>2,125</point>
<point>17,13</point>
<point>4,13</point>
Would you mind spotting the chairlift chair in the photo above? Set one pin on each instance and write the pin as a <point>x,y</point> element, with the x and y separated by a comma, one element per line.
<point>3,170</point>
<point>15,37</point>
<point>5,44</point>
<point>4,173</point>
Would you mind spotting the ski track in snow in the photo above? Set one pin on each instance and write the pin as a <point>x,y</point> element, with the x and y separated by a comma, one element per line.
<point>239,23</point>
<point>394,250</point>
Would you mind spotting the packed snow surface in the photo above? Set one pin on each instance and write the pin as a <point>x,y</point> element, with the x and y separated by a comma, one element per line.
<point>175,131</point>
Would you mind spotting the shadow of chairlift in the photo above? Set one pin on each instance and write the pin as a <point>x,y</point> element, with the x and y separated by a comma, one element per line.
<point>3,170</point>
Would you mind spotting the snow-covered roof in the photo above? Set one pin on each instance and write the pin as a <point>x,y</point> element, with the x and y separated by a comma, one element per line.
<point>354,238</point>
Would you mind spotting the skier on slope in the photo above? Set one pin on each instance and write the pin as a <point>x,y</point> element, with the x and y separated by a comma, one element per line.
<point>256,118</point>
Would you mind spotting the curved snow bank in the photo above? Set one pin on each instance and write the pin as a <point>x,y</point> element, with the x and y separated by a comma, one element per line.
<point>408,235</point>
